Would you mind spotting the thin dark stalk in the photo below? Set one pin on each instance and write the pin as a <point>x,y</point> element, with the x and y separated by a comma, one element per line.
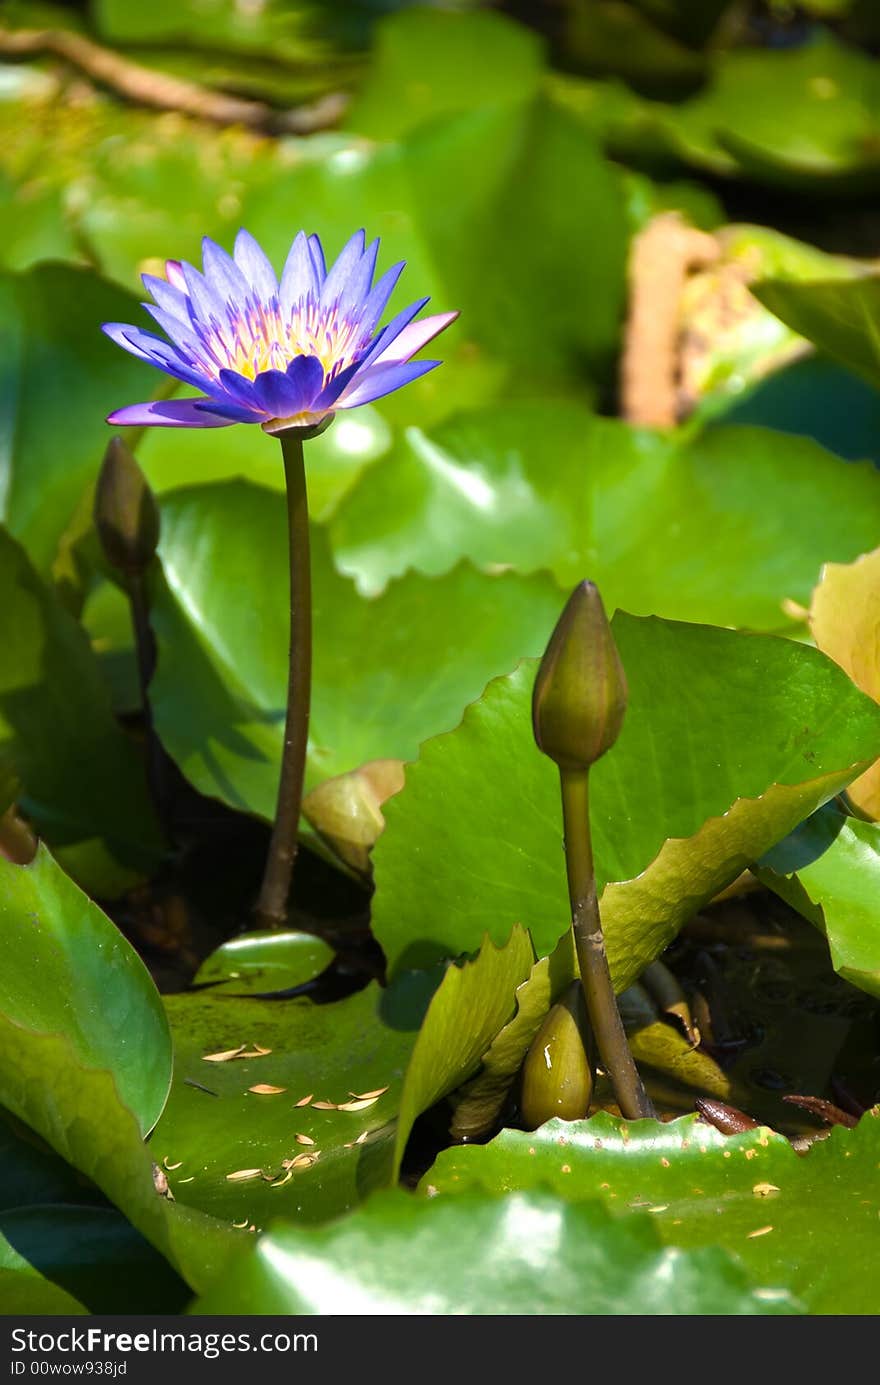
<point>271,909</point>
<point>589,941</point>
<point>145,651</point>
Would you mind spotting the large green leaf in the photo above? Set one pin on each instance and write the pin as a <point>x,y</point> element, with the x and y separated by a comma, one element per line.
<point>806,1223</point>
<point>69,971</point>
<point>477,1254</point>
<point>742,121</point>
<point>387,673</point>
<point>696,787</point>
<point>829,870</point>
<point>552,486</point>
<point>59,378</point>
<point>328,1053</point>
<point>427,64</point>
<point>171,459</point>
<point>510,245</point>
<point>82,777</point>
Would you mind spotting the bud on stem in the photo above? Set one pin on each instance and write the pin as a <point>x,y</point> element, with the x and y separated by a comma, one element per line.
<point>580,690</point>
<point>126,514</point>
<point>578,704</point>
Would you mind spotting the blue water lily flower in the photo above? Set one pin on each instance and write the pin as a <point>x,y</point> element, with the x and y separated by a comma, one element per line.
<point>285,355</point>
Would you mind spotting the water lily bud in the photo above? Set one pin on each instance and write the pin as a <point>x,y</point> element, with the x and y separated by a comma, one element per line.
<point>126,514</point>
<point>580,690</point>
<point>557,1076</point>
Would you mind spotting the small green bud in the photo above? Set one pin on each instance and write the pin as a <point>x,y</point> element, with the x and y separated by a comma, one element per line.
<point>557,1076</point>
<point>580,690</point>
<point>126,514</point>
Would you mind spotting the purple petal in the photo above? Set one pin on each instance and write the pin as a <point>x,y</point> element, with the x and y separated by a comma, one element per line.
<point>285,393</point>
<point>222,273</point>
<point>392,330</point>
<point>276,394</point>
<point>348,258</point>
<point>155,351</point>
<point>174,275</point>
<point>382,379</point>
<point>121,332</point>
<point>206,304</point>
<point>168,298</point>
<point>299,278</point>
<point>381,291</point>
<point>255,266</point>
<point>170,413</point>
<point>351,299</point>
<point>316,251</point>
<point>332,390</point>
<point>239,389</point>
<point>182,334</point>
<point>306,375</point>
<point>413,338</point>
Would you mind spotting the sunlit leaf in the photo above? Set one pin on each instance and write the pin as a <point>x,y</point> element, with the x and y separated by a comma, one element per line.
<point>478,1255</point>
<point>696,787</point>
<point>806,1224</point>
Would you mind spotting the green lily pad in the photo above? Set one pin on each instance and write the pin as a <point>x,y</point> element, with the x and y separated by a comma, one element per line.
<point>828,869</point>
<point>467,1010</point>
<point>336,458</point>
<point>741,122</point>
<point>264,961</point>
<point>603,37</point>
<point>69,970</point>
<point>521,1254</point>
<point>841,317</point>
<point>90,1254</point>
<point>82,778</point>
<point>807,1224</point>
<point>551,486</point>
<point>386,673</point>
<point>336,1054</point>
<point>439,64</point>
<point>60,377</point>
<point>695,788</point>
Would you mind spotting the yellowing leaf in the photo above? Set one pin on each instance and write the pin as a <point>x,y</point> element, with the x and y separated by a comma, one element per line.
<point>845,621</point>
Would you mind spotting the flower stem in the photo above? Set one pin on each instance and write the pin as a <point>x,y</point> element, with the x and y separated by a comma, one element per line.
<point>589,942</point>
<point>145,650</point>
<point>271,908</point>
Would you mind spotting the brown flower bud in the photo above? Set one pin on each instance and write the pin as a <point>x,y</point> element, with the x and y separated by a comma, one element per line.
<point>580,690</point>
<point>126,514</point>
<point>557,1076</point>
